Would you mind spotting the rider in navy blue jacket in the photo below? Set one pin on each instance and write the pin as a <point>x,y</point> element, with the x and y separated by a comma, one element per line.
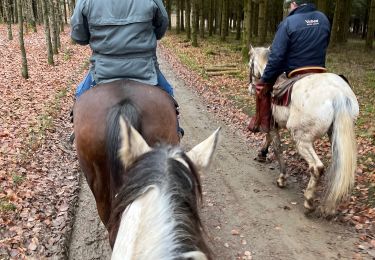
<point>301,40</point>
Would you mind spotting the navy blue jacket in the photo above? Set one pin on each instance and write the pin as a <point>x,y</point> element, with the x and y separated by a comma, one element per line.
<point>301,40</point>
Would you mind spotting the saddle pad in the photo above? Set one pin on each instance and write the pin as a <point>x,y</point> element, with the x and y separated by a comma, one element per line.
<point>282,90</point>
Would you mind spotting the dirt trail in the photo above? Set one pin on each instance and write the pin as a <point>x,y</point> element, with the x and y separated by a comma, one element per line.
<point>239,194</point>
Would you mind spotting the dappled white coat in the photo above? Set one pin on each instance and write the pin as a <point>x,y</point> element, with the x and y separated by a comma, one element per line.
<point>320,103</point>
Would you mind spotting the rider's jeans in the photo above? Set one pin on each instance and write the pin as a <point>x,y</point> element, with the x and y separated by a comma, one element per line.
<point>88,83</point>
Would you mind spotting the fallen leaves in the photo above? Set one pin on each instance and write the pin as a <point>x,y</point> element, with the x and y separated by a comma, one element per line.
<point>38,181</point>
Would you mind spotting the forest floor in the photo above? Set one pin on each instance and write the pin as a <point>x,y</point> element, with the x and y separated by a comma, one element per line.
<point>39,172</point>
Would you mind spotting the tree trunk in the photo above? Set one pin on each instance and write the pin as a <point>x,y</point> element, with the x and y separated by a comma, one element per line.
<point>64,11</point>
<point>224,21</point>
<point>254,17</point>
<point>195,26</point>
<point>60,19</point>
<point>8,19</point>
<point>40,12</point>
<point>218,19</point>
<point>15,10</point>
<point>52,16</point>
<point>47,32</point>
<point>238,19</point>
<point>178,12</point>
<point>168,6</point>
<point>262,22</point>
<point>201,19</point>
<point>347,15</point>
<point>30,14</point>
<point>247,29</point>
<point>371,26</point>
<point>322,6</point>
<point>211,11</point>
<point>338,26</point>
<point>25,73</point>
<point>188,21</point>
<point>182,19</point>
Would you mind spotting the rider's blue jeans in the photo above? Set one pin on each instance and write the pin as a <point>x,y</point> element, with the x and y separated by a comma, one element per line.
<point>88,83</point>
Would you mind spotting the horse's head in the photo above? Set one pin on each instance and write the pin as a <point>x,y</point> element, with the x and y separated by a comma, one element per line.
<point>160,197</point>
<point>257,63</point>
<point>133,146</point>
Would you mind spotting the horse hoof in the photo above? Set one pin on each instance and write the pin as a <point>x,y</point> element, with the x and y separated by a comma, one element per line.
<point>309,212</point>
<point>280,183</point>
<point>327,213</point>
<point>309,206</point>
<point>261,158</point>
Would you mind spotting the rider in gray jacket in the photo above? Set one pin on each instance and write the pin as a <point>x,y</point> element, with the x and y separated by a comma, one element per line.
<point>122,36</point>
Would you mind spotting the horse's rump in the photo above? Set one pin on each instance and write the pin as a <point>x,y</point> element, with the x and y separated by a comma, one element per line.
<point>148,107</point>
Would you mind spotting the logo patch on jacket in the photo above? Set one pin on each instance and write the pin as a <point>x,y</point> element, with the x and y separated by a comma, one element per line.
<point>312,22</point>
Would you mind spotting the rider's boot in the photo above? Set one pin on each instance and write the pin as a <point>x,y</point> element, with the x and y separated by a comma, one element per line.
<point>262,119</point>
<point>180,131</point>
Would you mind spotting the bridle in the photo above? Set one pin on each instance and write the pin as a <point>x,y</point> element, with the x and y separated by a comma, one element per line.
<point>252,77</point>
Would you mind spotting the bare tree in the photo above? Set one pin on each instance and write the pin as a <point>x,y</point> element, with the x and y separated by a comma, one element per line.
<point>195,26</point>
<point>30,14</point>
<point>47,32</point>
<point>187,17</point>
<point>371,26</point>
<point>262,21</point>
<point>224,20</point>
<point>8,19</point>
<point>54,27</point>
<point>25,72</point>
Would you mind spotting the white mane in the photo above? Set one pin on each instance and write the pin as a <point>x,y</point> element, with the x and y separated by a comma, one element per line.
<point>148,230</point>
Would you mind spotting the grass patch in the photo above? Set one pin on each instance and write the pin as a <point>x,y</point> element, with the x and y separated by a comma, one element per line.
<point>18,179</point>
<point>371,194</point>
<point>6,206</point>
<point>67,54</point>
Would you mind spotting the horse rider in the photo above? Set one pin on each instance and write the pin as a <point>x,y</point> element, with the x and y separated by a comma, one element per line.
<point>301,40</point>
<point>123,38</point>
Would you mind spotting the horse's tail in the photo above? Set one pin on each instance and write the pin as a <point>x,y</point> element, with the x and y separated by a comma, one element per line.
<point>125,108</point>
<point>344,154</point>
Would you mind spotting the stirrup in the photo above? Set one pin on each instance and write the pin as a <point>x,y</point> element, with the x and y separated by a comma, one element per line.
<point>180,132</point>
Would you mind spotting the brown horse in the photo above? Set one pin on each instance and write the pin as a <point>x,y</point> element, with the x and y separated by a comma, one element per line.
<point>141,188</point>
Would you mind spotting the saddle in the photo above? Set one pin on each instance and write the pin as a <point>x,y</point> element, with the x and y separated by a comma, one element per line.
<point>282,89</point>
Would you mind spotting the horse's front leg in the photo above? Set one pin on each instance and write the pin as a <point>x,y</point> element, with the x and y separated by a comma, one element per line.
<point>275,136</point>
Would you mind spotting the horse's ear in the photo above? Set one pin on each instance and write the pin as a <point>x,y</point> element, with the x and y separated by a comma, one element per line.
<point>251,49</point>
<point>201,154</point>
<point>132,143</point>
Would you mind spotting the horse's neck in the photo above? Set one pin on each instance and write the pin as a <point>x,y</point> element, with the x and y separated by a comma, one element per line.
<point>147,228</point>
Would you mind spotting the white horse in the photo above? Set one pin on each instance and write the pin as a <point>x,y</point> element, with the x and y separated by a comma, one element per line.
<point>320,103</point>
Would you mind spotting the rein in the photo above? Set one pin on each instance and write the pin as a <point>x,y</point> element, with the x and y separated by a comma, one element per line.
<point>252,77</point>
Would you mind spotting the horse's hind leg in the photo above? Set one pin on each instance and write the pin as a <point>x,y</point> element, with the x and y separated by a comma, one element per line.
<point>307,151</point>
<point>275,136</point>
<point>262,154</point>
